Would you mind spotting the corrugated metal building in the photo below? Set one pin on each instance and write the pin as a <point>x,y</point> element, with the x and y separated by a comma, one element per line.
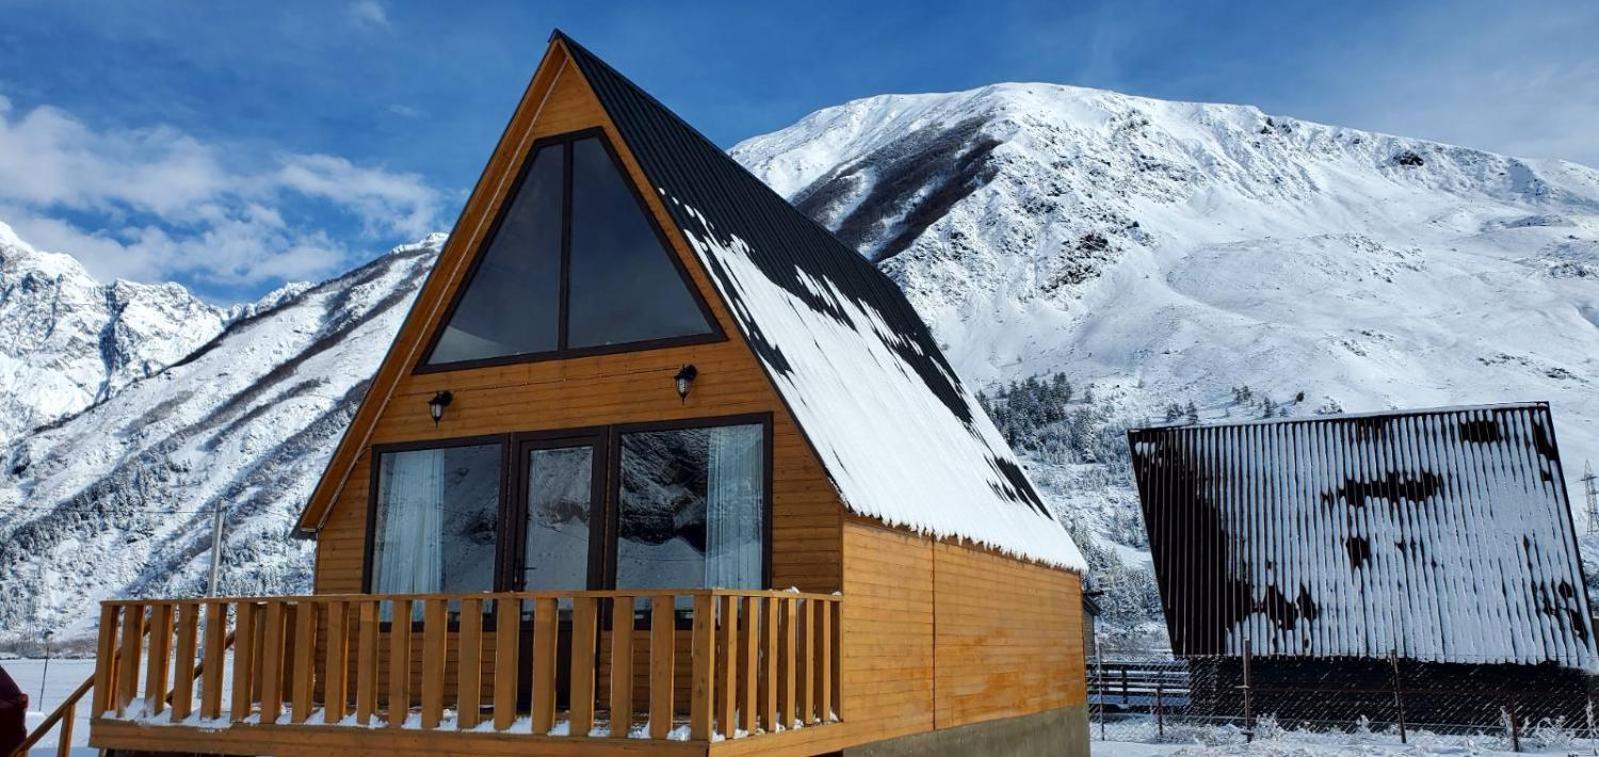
<point>1439,537</point>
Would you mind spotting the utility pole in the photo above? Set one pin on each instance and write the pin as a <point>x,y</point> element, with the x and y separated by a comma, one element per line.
<point>216,550</point>
<point>1590,491</point>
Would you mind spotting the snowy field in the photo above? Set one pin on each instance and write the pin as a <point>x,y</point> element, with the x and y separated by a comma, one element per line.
<point>64,676</point>
<point>1291,748</point>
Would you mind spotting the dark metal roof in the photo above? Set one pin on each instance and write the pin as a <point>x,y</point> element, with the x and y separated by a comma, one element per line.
<point>1442,535</point>
<point>720,205</point>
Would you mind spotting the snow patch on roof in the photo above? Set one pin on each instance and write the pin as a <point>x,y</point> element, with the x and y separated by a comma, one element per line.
<point>894,450</point>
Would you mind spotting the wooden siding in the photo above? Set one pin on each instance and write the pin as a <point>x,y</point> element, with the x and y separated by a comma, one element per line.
<point>587,391</point>
<point>938,635</point>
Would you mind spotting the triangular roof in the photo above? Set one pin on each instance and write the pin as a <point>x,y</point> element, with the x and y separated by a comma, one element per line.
<point>899,435</point>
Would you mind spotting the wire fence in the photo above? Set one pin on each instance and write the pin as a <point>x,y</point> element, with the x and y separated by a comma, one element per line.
<point>1237,699</point>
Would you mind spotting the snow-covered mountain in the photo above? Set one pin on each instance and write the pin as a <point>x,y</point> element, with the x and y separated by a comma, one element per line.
<point>1166,253</point>
<point>1152,252</point>
<point>118,499</point>
<point>67,341</point>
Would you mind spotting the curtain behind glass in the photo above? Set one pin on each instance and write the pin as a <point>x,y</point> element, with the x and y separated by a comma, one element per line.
<point>411,501</point>
<point>734,515</point>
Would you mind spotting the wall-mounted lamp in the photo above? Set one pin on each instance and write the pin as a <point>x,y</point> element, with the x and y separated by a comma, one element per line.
<point>685,380</point>
<point>437,404</point>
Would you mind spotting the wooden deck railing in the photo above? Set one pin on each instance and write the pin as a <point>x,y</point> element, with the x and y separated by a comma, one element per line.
<point>687,664</point>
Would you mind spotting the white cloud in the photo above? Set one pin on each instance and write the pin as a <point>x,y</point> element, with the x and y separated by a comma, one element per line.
<point>369,13</point>
<point>167,205</point>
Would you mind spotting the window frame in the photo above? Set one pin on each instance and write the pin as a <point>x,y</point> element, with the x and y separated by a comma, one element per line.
<point>607,444</point>
<point>562,351</point>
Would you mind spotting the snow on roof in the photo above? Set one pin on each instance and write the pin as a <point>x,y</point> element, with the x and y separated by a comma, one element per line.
<point>900,436</point>
<point>1442,535</point>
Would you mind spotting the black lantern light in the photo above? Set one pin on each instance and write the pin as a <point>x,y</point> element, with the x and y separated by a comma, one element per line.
<point>685,380</point>
<point>437,404</point>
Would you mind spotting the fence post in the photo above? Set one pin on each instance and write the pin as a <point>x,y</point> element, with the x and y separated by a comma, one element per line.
<point>1160,714</point>
<point>1399,696</point>
<point>1587,712</point>
<point>1515,729</point>
<point>1249,705</point>
<point>1099,683</point>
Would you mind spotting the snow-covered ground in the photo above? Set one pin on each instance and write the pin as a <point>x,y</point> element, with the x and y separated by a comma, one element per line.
<point>46,692</point>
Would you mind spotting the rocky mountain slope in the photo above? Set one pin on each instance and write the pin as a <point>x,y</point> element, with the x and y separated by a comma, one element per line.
<point>1164,254</point>
<point>119,498</point>
<point>67,341</point>
<point>1154,255</point>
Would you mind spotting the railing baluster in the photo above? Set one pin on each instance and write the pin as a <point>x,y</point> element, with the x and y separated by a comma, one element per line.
<point>621,666</point>
<point>469,673</point>
<point>128,665</point>
<point>64,742</point>
<point>159,660</point>
<point>507,635</point>
<point>834,664</point>
<point>727,675</point>
<point>105,679</point>
<point>305,613</point>
<point>244,654</point>
<point>400,663</point>
<point>336,667</point>
<point>434,638</point>
<point>543,662</point>
<point>183,660</point>
<point>663,647</point>
<point>824,659</point>
<point>702,654</point>
<point>216,628</point>
<point>581,696</point>
<point>748,641</point>
<point>366,664</point>
<point>787,702</point>
<point>272,663</point>
<point>807,661</point>
<point>769,651</point>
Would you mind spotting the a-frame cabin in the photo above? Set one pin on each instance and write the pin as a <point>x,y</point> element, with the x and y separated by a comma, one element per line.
<point>638,390</point>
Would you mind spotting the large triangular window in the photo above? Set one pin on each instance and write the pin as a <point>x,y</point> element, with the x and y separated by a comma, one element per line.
<point>574,265</point>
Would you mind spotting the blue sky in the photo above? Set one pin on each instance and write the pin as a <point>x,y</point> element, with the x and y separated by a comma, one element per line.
<point>232,146</point>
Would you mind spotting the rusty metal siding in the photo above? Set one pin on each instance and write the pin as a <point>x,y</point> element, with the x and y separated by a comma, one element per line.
<point>1442,535</point>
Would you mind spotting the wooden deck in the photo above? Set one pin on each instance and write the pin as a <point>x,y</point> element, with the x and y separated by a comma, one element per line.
<point>695,671</point>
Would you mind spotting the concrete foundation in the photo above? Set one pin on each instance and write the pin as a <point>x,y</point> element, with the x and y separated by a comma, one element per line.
<point>1056,733</point>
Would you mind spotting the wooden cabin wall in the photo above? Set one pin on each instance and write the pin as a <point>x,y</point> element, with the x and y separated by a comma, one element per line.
<point>597,390</point>
<point>937,635</point>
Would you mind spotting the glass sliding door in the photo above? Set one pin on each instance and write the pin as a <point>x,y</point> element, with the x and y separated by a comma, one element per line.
<point>560,481</point>
<point>690,509</point>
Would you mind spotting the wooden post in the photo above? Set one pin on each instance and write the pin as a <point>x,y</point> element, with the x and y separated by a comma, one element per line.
<point>702,654</point>
<point>824,660</point>
<point>366,663</point>
<point>400,663</point>
<point>272,663</point>
<point>1515,728</point>
<point>621,666</point>
<point>159,661</point>
<point>128,662</point>
<point>434,637</point>
<point>727,678</point>
<point>807,663</point>
<point>1160,710</point>
<point>244,645</point>
<point>105,662</point>
<point>64,745</point>
<point>300,691</point>
<point>748,664</point>
<point>336,668</point>
<point>469,666</point>
<point>507,633</point>
<point>786,697</point>
<point>1249,709</point>
<point>183,675</point>
<point>769,652</point>
<point>581,695</point>
<point>216,630</point>
<point>663,641</point>
<point>545,629</point>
